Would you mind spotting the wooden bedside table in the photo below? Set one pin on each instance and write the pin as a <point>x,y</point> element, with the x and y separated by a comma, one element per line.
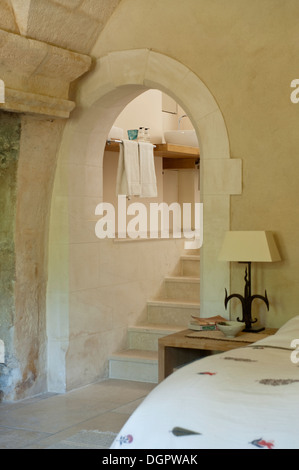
<point>187,345</point>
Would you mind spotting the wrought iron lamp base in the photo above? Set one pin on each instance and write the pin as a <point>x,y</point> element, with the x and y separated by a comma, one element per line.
<point>246,301</point>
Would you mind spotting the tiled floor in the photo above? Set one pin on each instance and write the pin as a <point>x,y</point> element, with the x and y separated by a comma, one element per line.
<point>51,419</point>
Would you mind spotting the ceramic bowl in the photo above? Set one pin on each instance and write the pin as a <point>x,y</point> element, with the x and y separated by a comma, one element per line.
<point>230,328</point>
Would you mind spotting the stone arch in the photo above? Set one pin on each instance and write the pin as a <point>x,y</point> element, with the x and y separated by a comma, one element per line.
<point>117,79</point>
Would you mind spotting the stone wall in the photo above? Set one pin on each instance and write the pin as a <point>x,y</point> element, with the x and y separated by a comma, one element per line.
<point>28,150</point>
<point>10,131</point>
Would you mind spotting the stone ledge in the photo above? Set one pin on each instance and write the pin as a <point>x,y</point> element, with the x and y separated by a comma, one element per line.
<point>21,102</point>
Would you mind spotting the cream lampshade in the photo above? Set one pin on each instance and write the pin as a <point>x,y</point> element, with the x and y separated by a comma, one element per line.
<point>247,247</point>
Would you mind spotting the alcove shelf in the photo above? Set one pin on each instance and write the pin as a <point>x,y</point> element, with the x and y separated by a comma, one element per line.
<point>176,151</point>
<point>174,156</point>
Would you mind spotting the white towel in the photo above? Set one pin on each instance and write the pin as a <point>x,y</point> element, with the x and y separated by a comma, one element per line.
<point>148,179</point>
<point>128,171</point>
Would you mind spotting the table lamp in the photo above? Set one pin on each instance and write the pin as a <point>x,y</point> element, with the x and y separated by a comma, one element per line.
<point>247,247</point>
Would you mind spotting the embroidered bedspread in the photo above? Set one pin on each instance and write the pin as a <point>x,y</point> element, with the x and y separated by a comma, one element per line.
<point>241,399</point>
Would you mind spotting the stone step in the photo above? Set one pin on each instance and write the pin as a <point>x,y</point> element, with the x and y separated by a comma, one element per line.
<point>190,265</point>
<point>172,312</point>
<point>182,288</point>
<point>133,364</point>
<point>165,316</point>
<point>192,252</point>
<point>146,336</point>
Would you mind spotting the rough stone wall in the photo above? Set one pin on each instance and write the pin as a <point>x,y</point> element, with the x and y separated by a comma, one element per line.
<point>28,150</point>
<point>39,143</point>
<point>10,130</point>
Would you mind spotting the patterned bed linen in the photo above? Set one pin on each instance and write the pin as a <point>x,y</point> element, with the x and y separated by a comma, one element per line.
<point>247,398</point>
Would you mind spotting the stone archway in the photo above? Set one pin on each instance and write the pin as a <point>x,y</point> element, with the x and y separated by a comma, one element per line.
<point>117,79</point>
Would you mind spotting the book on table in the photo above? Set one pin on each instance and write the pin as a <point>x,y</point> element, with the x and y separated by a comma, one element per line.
<point>205,324</point>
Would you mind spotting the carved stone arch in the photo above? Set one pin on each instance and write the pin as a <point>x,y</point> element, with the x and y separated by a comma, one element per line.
<point>117,79</point>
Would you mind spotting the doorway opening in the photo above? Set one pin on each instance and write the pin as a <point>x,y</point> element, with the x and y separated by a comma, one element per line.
<point>176,164</point>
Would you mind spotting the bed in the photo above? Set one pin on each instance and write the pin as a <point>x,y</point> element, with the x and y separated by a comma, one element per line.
<point>246,398</point>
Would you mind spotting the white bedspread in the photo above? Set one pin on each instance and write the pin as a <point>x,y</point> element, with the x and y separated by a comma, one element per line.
<point>247,398</point>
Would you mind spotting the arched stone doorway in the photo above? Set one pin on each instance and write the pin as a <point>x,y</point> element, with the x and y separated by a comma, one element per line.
<point>116,79</point>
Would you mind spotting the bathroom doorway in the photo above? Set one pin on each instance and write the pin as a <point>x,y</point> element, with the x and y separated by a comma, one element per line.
<point>177,173</point>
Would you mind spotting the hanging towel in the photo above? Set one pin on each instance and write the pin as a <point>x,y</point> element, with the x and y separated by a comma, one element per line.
<point>128,171</point>
<point>148,179</point>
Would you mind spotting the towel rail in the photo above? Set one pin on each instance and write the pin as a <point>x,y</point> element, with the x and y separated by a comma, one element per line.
<point>118,141</point>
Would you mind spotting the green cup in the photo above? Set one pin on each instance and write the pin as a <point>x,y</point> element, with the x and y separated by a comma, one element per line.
<point>133,134</point>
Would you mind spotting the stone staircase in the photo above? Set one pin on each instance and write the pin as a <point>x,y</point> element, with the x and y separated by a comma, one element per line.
<point>166,315</point>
